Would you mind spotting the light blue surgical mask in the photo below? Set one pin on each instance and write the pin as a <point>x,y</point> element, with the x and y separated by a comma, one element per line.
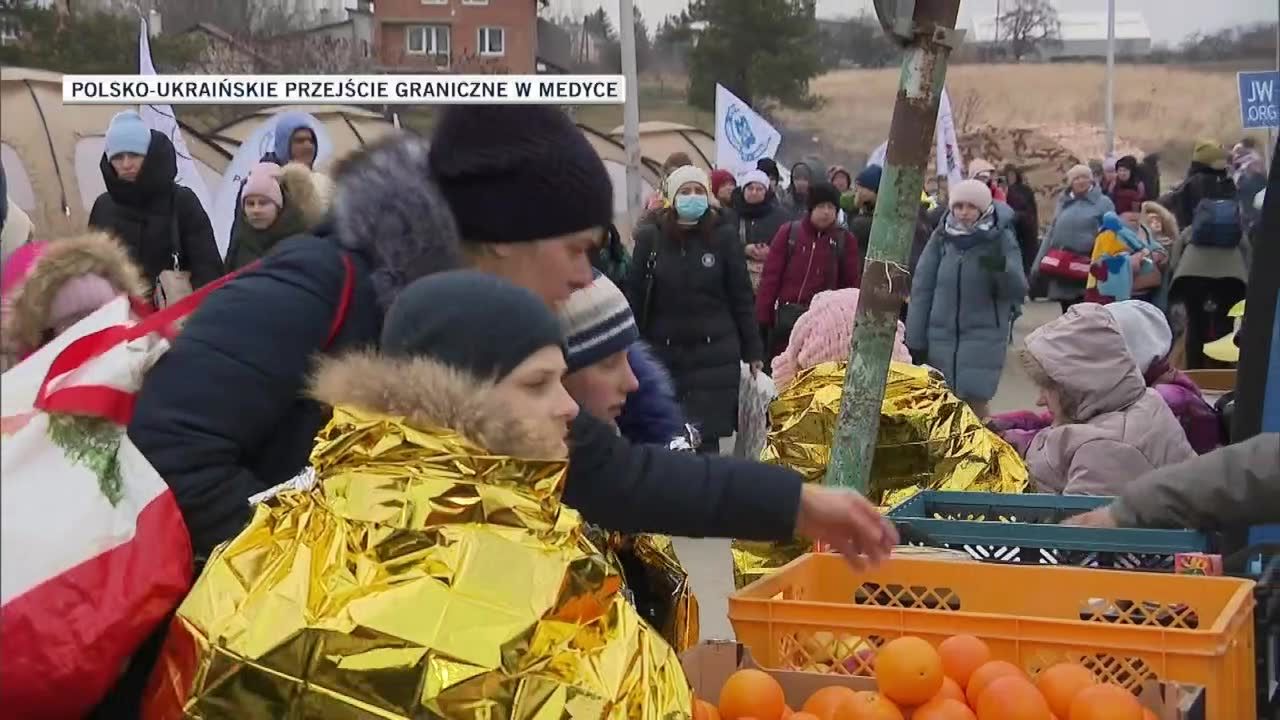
<point>691,207</point>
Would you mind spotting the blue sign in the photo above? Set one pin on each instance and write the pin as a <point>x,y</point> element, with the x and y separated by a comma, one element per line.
<point>1259,95</point>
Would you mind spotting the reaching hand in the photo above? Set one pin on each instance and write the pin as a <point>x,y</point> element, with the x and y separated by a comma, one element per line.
<point>848,523</point>
<point>1096,518</point>
<point>756,367</point>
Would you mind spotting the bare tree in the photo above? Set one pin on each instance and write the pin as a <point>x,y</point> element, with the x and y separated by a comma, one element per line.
<point>1030,25</point>
<point>284,40</point>
<point>967,110</point>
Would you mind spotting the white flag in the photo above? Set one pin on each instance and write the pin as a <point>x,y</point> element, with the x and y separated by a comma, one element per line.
<point>161,119</point>
<point>742,136</point>
<point>949,161</point>
<point>877,155</point>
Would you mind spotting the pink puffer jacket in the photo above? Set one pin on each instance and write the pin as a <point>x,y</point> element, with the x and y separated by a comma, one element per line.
<point>1117,429</point>
<point>822,335</point>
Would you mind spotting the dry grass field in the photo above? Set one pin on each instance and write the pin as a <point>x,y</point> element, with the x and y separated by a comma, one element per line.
<point>1158,108</point>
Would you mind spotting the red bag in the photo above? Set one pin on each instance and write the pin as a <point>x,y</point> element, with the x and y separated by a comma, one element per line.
<point>1065,265</point>
<point>96,553</point>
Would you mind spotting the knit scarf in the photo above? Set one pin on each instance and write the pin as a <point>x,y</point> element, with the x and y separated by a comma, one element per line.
<point>966,237</point>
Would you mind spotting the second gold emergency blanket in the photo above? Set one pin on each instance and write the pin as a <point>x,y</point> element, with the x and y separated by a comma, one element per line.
<point>929,439</point>
<point>420,577</point>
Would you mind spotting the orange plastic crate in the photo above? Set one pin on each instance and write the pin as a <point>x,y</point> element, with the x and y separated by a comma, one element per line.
<point>1125,626</point>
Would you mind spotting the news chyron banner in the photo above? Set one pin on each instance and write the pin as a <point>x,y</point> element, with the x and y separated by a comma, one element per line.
<point>344,89</point>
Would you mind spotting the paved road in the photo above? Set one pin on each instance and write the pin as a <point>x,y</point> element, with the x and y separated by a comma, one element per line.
<point>708,561</point>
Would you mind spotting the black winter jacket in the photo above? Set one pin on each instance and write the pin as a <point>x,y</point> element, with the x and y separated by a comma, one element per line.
<point>700,316</point>
<point>153,214</point>
<point>222,416</point>
<point>1202,182</point>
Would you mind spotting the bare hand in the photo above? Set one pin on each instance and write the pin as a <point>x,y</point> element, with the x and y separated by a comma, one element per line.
<point>848,523</point>
<point>1096,518</point>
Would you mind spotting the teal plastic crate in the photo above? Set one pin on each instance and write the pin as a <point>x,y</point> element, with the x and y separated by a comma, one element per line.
<point>1024,529</point>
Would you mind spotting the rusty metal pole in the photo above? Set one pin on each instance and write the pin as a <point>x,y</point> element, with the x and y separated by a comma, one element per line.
<point>885,276</point>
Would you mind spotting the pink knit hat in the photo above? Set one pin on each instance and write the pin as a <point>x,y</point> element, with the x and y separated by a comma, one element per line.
<point>822,335</point>
<point>77,298</point>
<point>264,181</point>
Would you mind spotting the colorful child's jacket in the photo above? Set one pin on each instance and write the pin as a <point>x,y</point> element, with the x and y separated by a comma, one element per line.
<point>1111,273</point>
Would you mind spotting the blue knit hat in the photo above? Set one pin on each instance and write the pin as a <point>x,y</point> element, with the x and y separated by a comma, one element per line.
<point>597,323</point>
<point>127,133</point>
<point>869,178</point>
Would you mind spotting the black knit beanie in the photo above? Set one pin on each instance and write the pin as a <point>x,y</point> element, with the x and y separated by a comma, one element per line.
<point>823,192</point>
<point>770,168</point>
<point>471,321</point>
<point>517,173</point>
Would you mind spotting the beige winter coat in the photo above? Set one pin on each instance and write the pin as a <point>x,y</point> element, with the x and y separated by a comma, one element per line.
<point>1116,428</point>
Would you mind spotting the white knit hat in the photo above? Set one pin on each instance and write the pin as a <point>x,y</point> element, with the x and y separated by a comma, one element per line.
<point>1145,330</point>
<point>974,192</point>
<point>754,176</point>
<point>687,174</point>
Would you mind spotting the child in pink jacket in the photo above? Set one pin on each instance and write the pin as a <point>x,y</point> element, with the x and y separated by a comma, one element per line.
<point>1108,427</point>
<point>1148,338</point>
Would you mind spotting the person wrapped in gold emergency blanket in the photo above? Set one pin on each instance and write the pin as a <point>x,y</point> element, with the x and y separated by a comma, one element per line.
<point>929,439</point>
<point>430,569</point>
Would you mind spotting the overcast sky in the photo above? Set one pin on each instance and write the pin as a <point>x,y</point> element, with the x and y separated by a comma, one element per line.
<point>1170,20</point>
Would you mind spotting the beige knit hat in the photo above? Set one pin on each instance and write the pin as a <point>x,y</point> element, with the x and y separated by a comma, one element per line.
<point>1079,171</point>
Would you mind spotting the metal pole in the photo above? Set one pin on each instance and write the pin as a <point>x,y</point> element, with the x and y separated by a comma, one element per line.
<point>1111,77</point>
<point>886,274</point>
<point>630,111</point>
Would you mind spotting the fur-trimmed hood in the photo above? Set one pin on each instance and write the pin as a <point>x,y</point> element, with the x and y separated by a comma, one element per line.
<point>307,192</point>
<point>96,253</point>
<point>1171,230</point>
<point>387,205</point>
<point>430,395</point>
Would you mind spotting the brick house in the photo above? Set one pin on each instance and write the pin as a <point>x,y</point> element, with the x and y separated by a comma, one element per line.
<point>472,36</point>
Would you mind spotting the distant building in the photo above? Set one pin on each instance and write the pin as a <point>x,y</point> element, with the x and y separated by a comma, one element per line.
<point>457,35</point>
<point>1083,35</point>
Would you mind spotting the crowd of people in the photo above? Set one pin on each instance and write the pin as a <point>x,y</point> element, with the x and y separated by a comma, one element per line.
<point>459,285</point>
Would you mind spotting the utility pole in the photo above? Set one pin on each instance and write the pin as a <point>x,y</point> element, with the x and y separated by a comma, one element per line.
<point>630,111</point>
<point>927,32</point>
<point>1111,77</point>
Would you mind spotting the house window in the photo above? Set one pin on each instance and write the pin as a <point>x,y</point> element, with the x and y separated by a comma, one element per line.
<point>10,30</point>
<point>492,41</point>
<point>427,40</point>
<point>435,2</point>
<point>475,2</point>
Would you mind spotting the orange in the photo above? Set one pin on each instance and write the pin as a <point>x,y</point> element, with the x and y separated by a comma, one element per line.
<point>908,671</point>
<point>804,716</point>
<point>943,709</point>
<point>824,703</point>
<point>1061,683</point>
<point>1148,715</point>
<point>1105,702</point>
<point>950,689</point>
<point>983,676</point>
<point>1012,697</point>
<point>961,655</point>
<point>868,705</point>
<point>787,712</point>
<point>703,710</point>
<point>751,693</point>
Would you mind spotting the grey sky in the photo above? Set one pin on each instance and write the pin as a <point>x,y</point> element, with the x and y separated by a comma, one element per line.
<point>1170,20</point>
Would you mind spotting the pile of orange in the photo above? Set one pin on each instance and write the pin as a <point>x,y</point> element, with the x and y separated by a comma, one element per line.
<point>958,680</point>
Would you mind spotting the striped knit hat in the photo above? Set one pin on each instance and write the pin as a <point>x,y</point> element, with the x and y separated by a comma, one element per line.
<point>597,323</point>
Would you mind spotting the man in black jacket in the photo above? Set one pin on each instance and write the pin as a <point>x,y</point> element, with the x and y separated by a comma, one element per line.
<point>222,416</point>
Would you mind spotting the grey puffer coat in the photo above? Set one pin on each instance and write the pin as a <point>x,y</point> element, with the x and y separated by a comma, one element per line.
<point>1074,228</point>
<point>965,294</point>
